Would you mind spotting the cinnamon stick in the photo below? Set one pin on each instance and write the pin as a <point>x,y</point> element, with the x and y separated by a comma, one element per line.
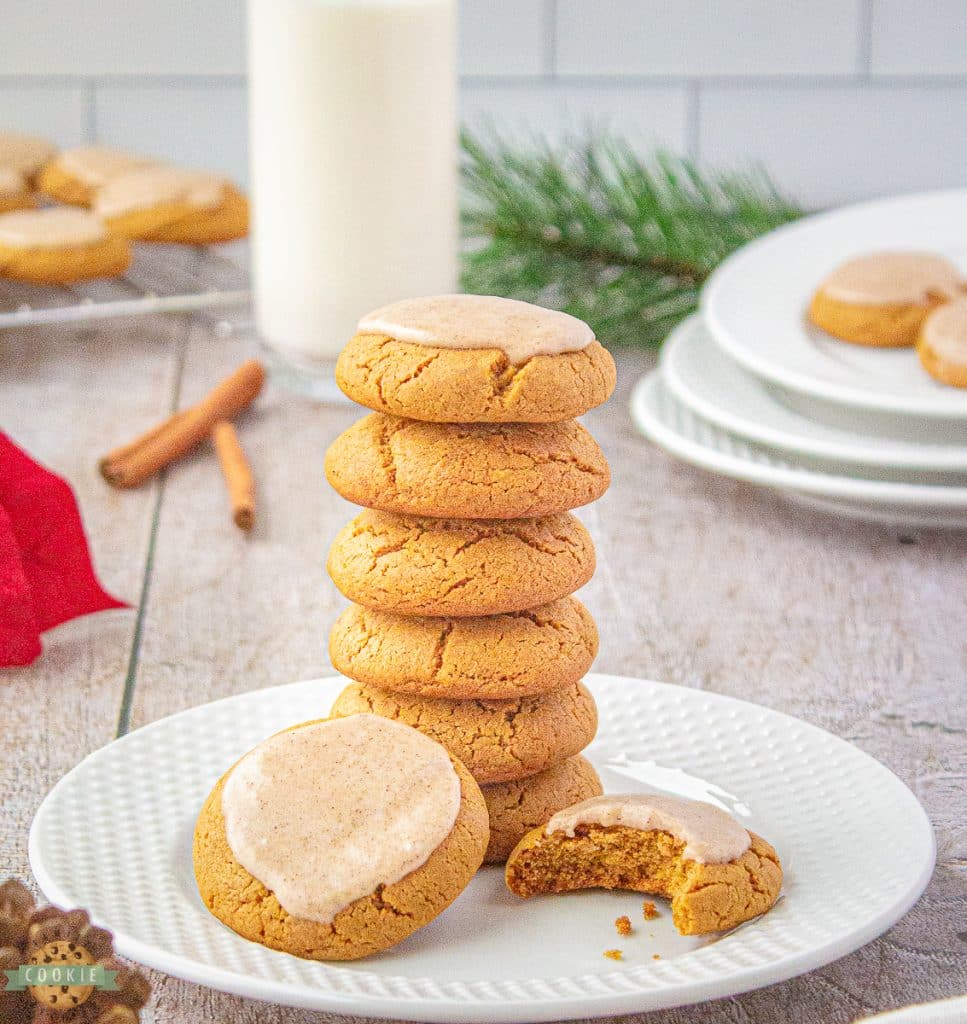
<point>237,473</point>
<point>133,463</point>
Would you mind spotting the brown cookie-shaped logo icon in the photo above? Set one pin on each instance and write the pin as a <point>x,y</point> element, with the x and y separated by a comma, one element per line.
<point>61,954</point>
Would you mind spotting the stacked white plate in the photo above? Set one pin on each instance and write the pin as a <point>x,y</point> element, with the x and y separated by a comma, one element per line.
<point>750,389</point>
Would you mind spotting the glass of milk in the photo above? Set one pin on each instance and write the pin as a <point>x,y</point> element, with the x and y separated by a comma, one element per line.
<point>354,166</point>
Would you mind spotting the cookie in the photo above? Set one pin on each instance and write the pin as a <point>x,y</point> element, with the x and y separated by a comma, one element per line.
<point>476,386</point>
<point>519,654</point>
<point>498,740</point>
<point>470,471</point>
<point>420,566</point>
<point>348,869</point>
<point>15,193</point>
<point>882,298</point>
<point>518,806</point>
<point>75,175</point>
<point>942,344</point>
<point>167,204</point>
<point>62,998</point>
<point>59,247</point>
<point>715,873</point>
<point>25,154</point>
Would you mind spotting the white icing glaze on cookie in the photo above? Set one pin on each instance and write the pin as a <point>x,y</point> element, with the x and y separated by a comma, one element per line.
<point>61,227</point>
<point>324,814</point>
<point>944,332</point>
<point>520,329</point>
<point>886,278</point>
<point>11,182</point>
<point>710,835</point>
<point>96,165</point>
<point>146,187</point>
<point>24,153</point>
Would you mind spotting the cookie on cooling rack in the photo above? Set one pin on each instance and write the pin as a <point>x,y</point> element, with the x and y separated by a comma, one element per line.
<point>59,246</point>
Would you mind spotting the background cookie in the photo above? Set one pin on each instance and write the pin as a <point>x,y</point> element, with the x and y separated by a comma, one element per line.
<point>472,471</point>
<point>518,806</point>
<point>366,926</point>
<point>160,210</point>
<point>15,193</point>
<point>444,385</point>
<point>59,246</point>
<point>942,344</point>
<point>420,566</point>
<point>498,740</point>
<point>75,175</point>
<point>881,298</point>
<point>518,654</point>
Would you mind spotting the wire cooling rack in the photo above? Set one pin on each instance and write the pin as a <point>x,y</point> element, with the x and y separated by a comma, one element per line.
<point>161,279</point>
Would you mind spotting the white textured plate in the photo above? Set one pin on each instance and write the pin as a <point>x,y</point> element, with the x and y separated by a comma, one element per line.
<point>755,304</point>
<point>704,379</point>
<point>115,834</point>
<point>678,430</point>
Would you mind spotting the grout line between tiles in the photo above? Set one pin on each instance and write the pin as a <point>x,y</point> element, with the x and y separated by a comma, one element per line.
<point>549,56</point>
<point>864,56</point>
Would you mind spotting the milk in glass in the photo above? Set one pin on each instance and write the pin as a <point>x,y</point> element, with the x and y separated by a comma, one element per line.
<point>353,161</point>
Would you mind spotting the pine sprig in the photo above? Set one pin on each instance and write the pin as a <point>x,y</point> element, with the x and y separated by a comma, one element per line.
<point>593,229</point>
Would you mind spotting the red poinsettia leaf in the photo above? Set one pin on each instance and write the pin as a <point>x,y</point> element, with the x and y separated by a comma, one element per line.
<point>19,635</point>
<point>53,548</point>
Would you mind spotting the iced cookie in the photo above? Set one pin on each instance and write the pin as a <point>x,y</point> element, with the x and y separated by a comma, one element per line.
<point>882,298</point>
<point>475,359</point>
<point>942,344</point>
<point>518,806</point>
<point>519,654</point>
<point>345,869</point>
<point>15,193</point>
<point>498,740</point>
<point>168,204</point>
<point>416,566</point>
<point>75,175</point>
<point>715,873</point>
<point>473,471</point>
<point>59,246</point>
<point>25,154</point>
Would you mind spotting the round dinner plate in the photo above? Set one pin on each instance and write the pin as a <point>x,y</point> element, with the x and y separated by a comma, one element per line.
<point>755,304</point>
<point>704,379</point>
<point>672,426</point>
<point>114,836</point>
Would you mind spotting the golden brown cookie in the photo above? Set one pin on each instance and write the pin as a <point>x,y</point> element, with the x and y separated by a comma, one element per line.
<point>25,154</point>
<point>498,740</point>
<point>882,298</point>
<point>168,204</point>
<point>519,654</point>
<point>15,193</point>
<point>418,566</point>
<point>366,926</point>
<point>444,385</point>
<point>704,897</point>
<point>942,344</point>
<point>470,471</point>
<point>59,246</point>
<point>74,175</point>
<point>518,806</point>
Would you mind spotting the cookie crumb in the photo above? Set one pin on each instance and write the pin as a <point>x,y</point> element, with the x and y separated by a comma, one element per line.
<point>623,924</point>
<point>649,910</point>
<point>614,954</point>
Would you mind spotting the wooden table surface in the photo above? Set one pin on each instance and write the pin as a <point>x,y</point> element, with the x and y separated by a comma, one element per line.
<point>702,581</point>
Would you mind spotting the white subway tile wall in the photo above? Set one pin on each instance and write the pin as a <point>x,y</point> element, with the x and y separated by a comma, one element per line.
<point>839,99</point>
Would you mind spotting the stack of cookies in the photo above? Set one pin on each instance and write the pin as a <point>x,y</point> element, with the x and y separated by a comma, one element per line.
<point>462,566</point>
